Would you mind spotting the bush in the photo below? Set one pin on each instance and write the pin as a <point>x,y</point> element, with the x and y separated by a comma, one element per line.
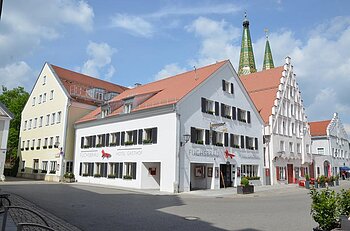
<point>307,177</point>
<point>322,179</point>
<point>69,175</point>
<point>244,181</point>
<point>324,208</point>
<point>344,202</point>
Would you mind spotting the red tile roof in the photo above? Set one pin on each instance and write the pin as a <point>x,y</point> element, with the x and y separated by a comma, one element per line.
<point>159,93</point>
<point>77,84</point>
<point>319,128</point>
<point>262,87</point>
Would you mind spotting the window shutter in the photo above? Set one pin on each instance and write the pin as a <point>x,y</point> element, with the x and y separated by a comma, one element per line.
<point>213,139</point>
<point>223,85</point>
<point>222,110</point>
<point>217,108</point>
<point>226,139</point>
<point>134,136</point>
<point>133,170</point>
<point>82,142</point>
<point>80,168</point>
<point>248,117</point>
<point>231,140</point>
<point>232,91</point>
<point>242,141</point>
<point>140,136</point>
<point>247,142</point>
<point>94,141</point>
<point>207,137</point>
<point>278,173</point>
<point>256,144</point>
<point>154,135</point>
<point>117,137</point>
<point>204,102</point>
<point>107,140</point>
<point>193,135</point>
<point>234,117</point>
<point>103,140</point>
<point>122,138</point>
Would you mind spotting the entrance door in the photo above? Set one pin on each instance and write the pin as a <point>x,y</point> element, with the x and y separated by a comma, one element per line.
<point>290,173</point>
<point>225,176</point>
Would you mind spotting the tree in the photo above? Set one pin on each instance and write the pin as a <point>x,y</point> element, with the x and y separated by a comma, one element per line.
<point>14,100</point>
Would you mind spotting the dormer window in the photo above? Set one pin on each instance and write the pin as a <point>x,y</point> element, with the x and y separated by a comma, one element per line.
<point>105,110</point>
<point>128,105</point>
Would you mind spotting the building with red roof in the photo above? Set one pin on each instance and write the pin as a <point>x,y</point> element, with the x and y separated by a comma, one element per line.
<point>194,130</point>
<point>59,98</point>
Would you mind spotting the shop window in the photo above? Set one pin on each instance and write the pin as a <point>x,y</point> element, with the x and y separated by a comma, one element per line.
<point>130,171</point>
<point>249,170</point>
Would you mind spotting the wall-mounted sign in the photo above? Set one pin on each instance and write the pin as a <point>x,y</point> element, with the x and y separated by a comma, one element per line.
<point>204,152</point>
<point>227,154</point>
<point>105,154</point>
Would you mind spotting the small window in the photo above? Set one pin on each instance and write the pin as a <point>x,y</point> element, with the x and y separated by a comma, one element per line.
<point>47,119</point>
<point>41,121</point>
<point>33,143</point>
<point>35,122</point>
<point>53,118</point>
<point>219,139</point>
<point>30,124</point>
<point>25,125</point>
<point>53,165</point>
<point>298,148</point>
<point>40,99</point>
<point>242,115</point>
<point>291,147</point>
<point>58,119</point>
<point>320,151</point>
<point>33,102</point>
<point>282,146</point>
<point>51,94</point>
<point>44,80</point>
<point>130,171</point>
<point>44,167</point>
<point>38,144</point>
<point>44,98</point>
<point>127,108</point>
<point>35,165</point>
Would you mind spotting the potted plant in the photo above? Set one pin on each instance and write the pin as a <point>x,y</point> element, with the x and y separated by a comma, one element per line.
<point>336,180</point>
<point>307,181</point>
<point>330,181</point>
<point>245,187</point>
<point>324,208</point>
<point>322,181</point>
<point>316,183</point>
<point>69,177</point>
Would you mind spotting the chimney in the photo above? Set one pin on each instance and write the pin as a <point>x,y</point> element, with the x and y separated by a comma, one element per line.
<point>137,85</point>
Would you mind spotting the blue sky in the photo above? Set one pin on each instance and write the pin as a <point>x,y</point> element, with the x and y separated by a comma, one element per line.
<point>128,42</point>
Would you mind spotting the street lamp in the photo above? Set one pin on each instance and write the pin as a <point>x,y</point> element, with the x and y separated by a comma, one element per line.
<point>61,167</point>
<point>186,139</point>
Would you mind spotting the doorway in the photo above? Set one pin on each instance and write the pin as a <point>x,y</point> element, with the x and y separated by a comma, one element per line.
<point>290,173</point>
<point>225,175</point>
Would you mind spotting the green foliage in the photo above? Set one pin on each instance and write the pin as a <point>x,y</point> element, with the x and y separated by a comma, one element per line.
<point>307,177</point>
<point>344,202</point>
<point>325,209</point>
<point>69,175</point>
<point>127,177</point>
<point>244,181</point>
<point>14,100</point>
<point>322,179</point>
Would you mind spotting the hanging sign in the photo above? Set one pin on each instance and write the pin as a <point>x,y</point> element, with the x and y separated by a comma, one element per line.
<point>227,154</point>
<point>105,154</point>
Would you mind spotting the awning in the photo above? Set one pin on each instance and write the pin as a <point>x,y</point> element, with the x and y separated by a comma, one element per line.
<point>344,168</point>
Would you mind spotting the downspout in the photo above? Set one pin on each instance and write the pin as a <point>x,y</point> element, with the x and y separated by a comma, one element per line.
<point>64,139</point>
<point>178,147</point>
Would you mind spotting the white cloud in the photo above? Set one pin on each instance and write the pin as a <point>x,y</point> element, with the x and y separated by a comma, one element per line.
<point>99,62</point>
<point>15,73</point>
<point>134,24</point>
<point>169,70</point>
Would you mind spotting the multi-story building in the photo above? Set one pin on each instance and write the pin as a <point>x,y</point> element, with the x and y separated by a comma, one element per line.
<point>5,117</point>
<point>277,97</point>
<point>330,146</point>
<point>59,97</point>
<point>195,130</point>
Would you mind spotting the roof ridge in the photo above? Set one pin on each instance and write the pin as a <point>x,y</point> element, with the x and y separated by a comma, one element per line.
<point>263,89</point>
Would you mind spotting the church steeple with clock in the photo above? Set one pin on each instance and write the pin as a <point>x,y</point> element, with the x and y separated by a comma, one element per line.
<point>246,59</point>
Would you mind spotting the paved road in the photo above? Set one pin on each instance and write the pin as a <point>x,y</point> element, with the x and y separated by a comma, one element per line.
<point>100,208</point>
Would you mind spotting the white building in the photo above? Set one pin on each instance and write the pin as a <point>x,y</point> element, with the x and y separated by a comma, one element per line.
<point>59,97</point>
<point>287,140</point>
<point>5,117</point>
<point>330,146</point>
<point>195,130</point>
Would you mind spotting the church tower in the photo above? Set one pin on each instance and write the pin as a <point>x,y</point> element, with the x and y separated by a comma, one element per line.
<point>246,59</point>
<point>268,61</point>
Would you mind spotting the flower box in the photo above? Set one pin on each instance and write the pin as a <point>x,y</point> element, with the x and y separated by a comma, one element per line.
<point>127,177</point>
<point>52,172</point>
<point>220,144</point>
<point>98,145</point>
<point>245,189</point>
<point>35,171</point>
<point>129,143</point>
<point>147,141</point>
<point>97,175</point>
<point>43,171</point>
<point>86,146</point>
<point>199,142</point>
<point>112,144</point>
<point>111,176</point>
<point>85,174</point>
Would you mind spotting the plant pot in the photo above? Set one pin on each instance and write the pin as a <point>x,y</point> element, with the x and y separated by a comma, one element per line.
<point>344,222</point>
<point>337,182</point>
<point>69,180</point>
<point>307,184</point>
<point>316,184</point>
<point>245,189</point>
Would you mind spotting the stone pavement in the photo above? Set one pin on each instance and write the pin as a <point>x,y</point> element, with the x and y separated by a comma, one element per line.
<point>21,216</point>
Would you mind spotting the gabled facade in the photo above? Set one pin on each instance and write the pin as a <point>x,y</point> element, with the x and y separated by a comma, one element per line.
<point>287,140</point>
<point>5,117</point>
<point>195,130</point>
<point>330,146</point>
<point>58,98</point>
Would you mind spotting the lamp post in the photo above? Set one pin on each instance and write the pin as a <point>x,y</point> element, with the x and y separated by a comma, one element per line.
<point>61,164</point>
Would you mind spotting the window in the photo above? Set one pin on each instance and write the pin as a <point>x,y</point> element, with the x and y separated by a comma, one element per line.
<point>101,169</point>
<point>30,124</point>
<point>44,80</point>
<point>33,101</point>
<point>58,118</point>
<point>44,98</point>
<point>35,122</point>
<point>293,128</point>
<point>88,169</point>
<point>127,107</point>
<point>69,166</point>
<point>320,151</point>
<point>41,121</point>
<point>298,148</point>
<point>198,136</point>
<point>226,111</point>
<point>47,119</point>
<point>243,115</point>
<point>45,142</point>
<point>40,98</point>
<point>282,146</point>
<point>38,144</point>
<point>101,140</point>
<point>53,117</point>
<point>227,86</point>
<point>53,165</point>
<point>25,125</point>
<point>131,137</point>
<point>209,107</point>
<point>281,173</point>
<point>292,109</point>
<point>57,140</point>
<point>149,136</point>
<point>35,165</point>
<point>219,139</point>
<point>249,170</point>
<point>130,170</point>
<point>23,144</point>
<point>307,148</point>
<point>23,165</point>
<point>51,94</point>
<point>291,147</point>
<point>116,170</point>
<point>44,167</point>
<point>234,139</point>
<point>27,147</point>
<point>33,144</point>
<point>51,142</point>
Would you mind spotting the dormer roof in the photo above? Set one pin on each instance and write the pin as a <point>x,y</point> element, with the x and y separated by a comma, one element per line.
<point>319,128</point>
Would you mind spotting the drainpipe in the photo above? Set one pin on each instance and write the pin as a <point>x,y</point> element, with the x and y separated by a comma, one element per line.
<point>64,139</point>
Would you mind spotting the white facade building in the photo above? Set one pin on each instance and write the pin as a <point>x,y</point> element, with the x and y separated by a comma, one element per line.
<point>287,140</point>
<point>330,146</point>
<point>5,117</point>
<point>195,130</point>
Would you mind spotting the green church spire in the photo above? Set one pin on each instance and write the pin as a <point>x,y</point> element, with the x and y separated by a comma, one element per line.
<point>246,59</point>
<point>268,61</point>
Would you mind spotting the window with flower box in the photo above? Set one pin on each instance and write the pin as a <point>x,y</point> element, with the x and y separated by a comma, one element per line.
<point>234,141</point>
<point>130,171</point>
<point>53,165</point>
<point>44,167</point>
<point>226,111</point>
<point>116,170</point>
<point>101,170</point>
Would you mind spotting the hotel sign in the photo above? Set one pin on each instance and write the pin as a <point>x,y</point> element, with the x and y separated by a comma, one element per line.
<point>204,152</point>
<point>110,154</point>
